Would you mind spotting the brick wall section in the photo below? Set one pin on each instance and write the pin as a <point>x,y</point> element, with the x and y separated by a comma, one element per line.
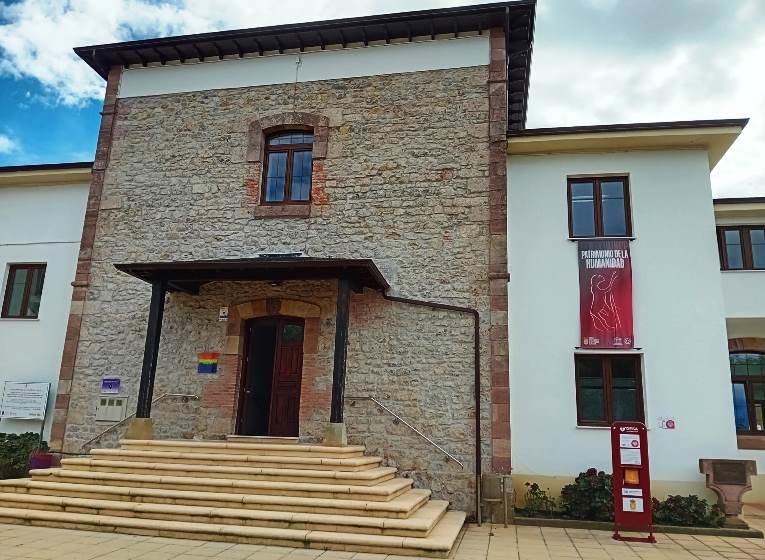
<point>407,177</point>
<point>82,274</point>
<point>498,275</point>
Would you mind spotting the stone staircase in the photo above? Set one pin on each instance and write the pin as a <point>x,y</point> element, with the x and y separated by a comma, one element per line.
<point>271,491</point>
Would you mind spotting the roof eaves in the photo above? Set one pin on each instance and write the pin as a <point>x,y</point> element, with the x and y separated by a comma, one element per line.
<point>741,200</point>
<point>46,166</point>
<point>515,16</point>
<point>629,127</point>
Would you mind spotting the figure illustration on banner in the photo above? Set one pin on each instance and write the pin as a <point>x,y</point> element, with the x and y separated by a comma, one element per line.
<point>603,308</point>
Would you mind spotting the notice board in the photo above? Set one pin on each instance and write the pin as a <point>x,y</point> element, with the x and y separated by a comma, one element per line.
<point>24,401</point>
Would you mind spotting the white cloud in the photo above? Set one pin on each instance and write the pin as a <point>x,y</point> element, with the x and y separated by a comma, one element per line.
<point>595,61</point>
<point>7,144</point>
<point>38,37</point>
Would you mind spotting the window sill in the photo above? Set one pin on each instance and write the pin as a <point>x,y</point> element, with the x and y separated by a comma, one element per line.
<point>750,441</point>
<point>578,427</point>
<point>736,270</point>
<point>633,350</point>
<point>282,211</point>
<point>630,238</point>
<point>21,319</point>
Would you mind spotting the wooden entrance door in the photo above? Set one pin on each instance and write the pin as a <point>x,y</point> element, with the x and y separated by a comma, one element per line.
<point>288,372</point>
<point>269,402</point>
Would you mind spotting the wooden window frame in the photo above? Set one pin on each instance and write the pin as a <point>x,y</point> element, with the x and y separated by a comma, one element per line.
<point>290,150</point>
<point>598,202</point>
<point>746,246</point>
<point>606,375</point>
<point>12,269</point>
<point>746,380</point>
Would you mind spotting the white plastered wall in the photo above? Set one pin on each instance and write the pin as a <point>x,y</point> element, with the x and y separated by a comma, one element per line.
<point>331,64</point>
<point>39,224</point>
<point>678,308</point>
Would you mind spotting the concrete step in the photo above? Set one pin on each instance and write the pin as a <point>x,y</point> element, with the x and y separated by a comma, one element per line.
<point>400,507</point>
<point>230,448</point>
<point>262,439</point>
<point>368,477</point>
<point>437,544</point>
<point>382,491</point>
<point>420,524</point>
<point>348,464</point>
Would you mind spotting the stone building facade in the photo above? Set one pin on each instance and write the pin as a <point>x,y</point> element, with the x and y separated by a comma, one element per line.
<point>408,170</point>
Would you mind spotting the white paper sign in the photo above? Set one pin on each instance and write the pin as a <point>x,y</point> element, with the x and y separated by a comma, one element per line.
<point>25,401</point>
<point>632,492</point>
<point>632,504</point>
<point>629,456</point>
<point>629,441</point>
<point>223,314</point>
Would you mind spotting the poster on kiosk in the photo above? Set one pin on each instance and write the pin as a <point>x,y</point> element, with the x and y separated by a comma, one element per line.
<point>631,481</point>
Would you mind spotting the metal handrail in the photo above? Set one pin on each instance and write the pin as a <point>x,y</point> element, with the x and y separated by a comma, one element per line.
<point>408,425</point>
<point>162,397</point>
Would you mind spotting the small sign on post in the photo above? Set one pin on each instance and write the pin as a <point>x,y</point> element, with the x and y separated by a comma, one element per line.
<point>631,481</point>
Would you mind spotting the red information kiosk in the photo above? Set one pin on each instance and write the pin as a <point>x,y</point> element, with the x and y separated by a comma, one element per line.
<point>632,481</point>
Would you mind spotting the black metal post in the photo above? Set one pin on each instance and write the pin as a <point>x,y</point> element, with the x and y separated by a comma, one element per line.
<point>151,350</point>
<point>341,349</point>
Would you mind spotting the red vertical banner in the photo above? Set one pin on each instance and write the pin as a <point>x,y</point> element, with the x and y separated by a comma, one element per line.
<point>605,293</point>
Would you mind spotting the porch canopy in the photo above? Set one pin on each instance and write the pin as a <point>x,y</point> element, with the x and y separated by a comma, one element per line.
<point>190,276</point>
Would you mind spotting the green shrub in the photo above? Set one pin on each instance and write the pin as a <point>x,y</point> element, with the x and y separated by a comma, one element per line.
<point>15,450</point>
<point>590,497</point>
<point>687,511</point>
<point>537,502</point>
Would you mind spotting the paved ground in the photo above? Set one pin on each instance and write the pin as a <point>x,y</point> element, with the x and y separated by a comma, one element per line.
<point>479,543</point>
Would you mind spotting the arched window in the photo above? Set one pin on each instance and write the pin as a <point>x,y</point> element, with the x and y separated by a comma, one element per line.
<point>747,370</point>
<point>287,167</point>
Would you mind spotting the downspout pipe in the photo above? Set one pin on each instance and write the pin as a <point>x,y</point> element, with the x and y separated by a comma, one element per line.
<point>477,382</point>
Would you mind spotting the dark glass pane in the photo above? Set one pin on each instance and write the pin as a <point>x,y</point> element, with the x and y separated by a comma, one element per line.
<point>759,417</point>
<point>733,249</point>
<point>35,292</point>
<point>276,177</point>
<point>588,368</point>
<point>625,389</point>
<point>747,363</point>
<point>290,137</point>
<point>16,284</point>
<point>612,204</point>
<point>758,391</point>
<point>582,210</point>
<point>301,176</point>
<point>740,410</point>
<point>592,407</point>
<point>292,333</point>
<point>757,236</point>
<point>591,393</point>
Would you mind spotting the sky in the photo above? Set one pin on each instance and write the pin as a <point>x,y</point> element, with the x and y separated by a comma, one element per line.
<point>594,62</point>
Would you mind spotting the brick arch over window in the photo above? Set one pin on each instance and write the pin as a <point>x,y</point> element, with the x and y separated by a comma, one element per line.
<point>744,344</point>
<point>259,129</point>
<point>222,393</point>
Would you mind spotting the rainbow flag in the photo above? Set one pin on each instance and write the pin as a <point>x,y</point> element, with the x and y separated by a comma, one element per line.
<point>207,362</point>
